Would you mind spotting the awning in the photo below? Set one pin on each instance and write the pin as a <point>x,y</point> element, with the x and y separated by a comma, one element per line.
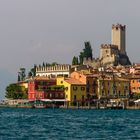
<point>59,100</point>
<point>118,99</point>
<point>46,100</point>
<point>50,100</point>
<point>137,101</point>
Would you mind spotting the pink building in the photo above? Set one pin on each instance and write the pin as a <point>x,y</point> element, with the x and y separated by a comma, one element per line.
<point>44,88</point>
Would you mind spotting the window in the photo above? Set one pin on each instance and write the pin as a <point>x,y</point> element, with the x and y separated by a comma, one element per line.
<point>87,88</point>
<point>66,96</point>
<point>114,92</point>
<point>108,83</point>
<point>83,97</point>
<point>126,87</point>
<point>56,95</point>
<point>62,95</point>
<point>61,82</point>
<point>82,88</point>
<point>50,95</point>
<point>102,93</point>
<point>103,83</point>
<point>74,97</point>
<point>106,51</point>
<point>94,83</point>
<point>119,92</point>
<point>108,92</point>
<point>66,88</point>
<point>133,88</point>
<point>74,88</point>
<point>138,80</point>
<point>124,91</point>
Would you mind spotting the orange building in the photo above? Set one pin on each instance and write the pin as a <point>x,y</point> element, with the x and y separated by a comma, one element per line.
<point>135,85</point>
<point>89,79</point>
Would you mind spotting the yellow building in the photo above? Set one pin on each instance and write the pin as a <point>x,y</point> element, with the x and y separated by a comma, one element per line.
<point>89,79</point>
<point>112,87</point>
<point>75,91</point>
<point>23,84</point>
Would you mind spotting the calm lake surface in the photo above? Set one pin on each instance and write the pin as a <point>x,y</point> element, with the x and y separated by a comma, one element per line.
<point>63,124</point>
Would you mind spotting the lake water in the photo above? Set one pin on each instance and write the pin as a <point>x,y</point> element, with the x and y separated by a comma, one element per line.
<point>63,124</point>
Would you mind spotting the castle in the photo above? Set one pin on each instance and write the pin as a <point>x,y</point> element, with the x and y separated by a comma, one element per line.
<point>114,53</point>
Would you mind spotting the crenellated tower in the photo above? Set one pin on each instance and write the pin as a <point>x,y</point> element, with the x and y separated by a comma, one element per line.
<point>118,37</point>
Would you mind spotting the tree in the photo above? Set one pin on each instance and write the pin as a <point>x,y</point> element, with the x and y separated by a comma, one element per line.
<point>32,72</point>
<point>14,91</point>
<point>81,58</point>
<point>75,61</point>
<point>54,63</point>
<point>19,77</point>
<point>21,74</point>
<point>47,64</point>
<point>87,51</point>
<point>43,64</point>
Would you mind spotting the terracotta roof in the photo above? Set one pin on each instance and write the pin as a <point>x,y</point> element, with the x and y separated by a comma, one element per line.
<point>73,81</point>
<point>109,78</point>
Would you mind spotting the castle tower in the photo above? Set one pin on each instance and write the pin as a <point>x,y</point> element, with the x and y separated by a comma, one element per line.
<point>118,37</point>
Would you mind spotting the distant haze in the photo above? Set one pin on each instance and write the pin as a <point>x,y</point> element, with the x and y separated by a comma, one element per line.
<point>33,31</point>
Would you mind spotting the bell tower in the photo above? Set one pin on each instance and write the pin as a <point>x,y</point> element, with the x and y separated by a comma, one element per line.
<point>118,37</point>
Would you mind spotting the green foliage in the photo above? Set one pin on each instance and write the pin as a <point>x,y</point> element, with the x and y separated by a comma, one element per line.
<point>75,61</point>
<point>32,72</point>
<point>51,88</point>
<point>53,64</point>
<point>81,58</point>
<point>86,53</point>
<point>55,87</point>
<point>43,64</point>
<point>21,74</point>
<point>87,50</point>
<point>14,91</point>
<point>47,64</point>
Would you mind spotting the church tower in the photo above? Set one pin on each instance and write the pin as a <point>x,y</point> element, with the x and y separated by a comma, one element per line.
<point>118,37</point>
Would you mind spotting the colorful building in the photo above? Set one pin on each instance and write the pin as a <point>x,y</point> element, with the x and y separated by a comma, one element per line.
<point>44,88</point>
<point>23,84</point>
<point>112,87</point>
<point>90,80</point>
<point>135,85</point>
<point>75,90</point>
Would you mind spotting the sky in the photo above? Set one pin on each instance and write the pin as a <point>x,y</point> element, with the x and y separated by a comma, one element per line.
<point>37,31</point>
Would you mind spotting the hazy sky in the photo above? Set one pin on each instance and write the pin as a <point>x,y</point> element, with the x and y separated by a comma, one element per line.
<point>33,31</point>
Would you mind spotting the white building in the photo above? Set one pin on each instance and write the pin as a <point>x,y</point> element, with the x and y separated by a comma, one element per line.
<point>53,71</point>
